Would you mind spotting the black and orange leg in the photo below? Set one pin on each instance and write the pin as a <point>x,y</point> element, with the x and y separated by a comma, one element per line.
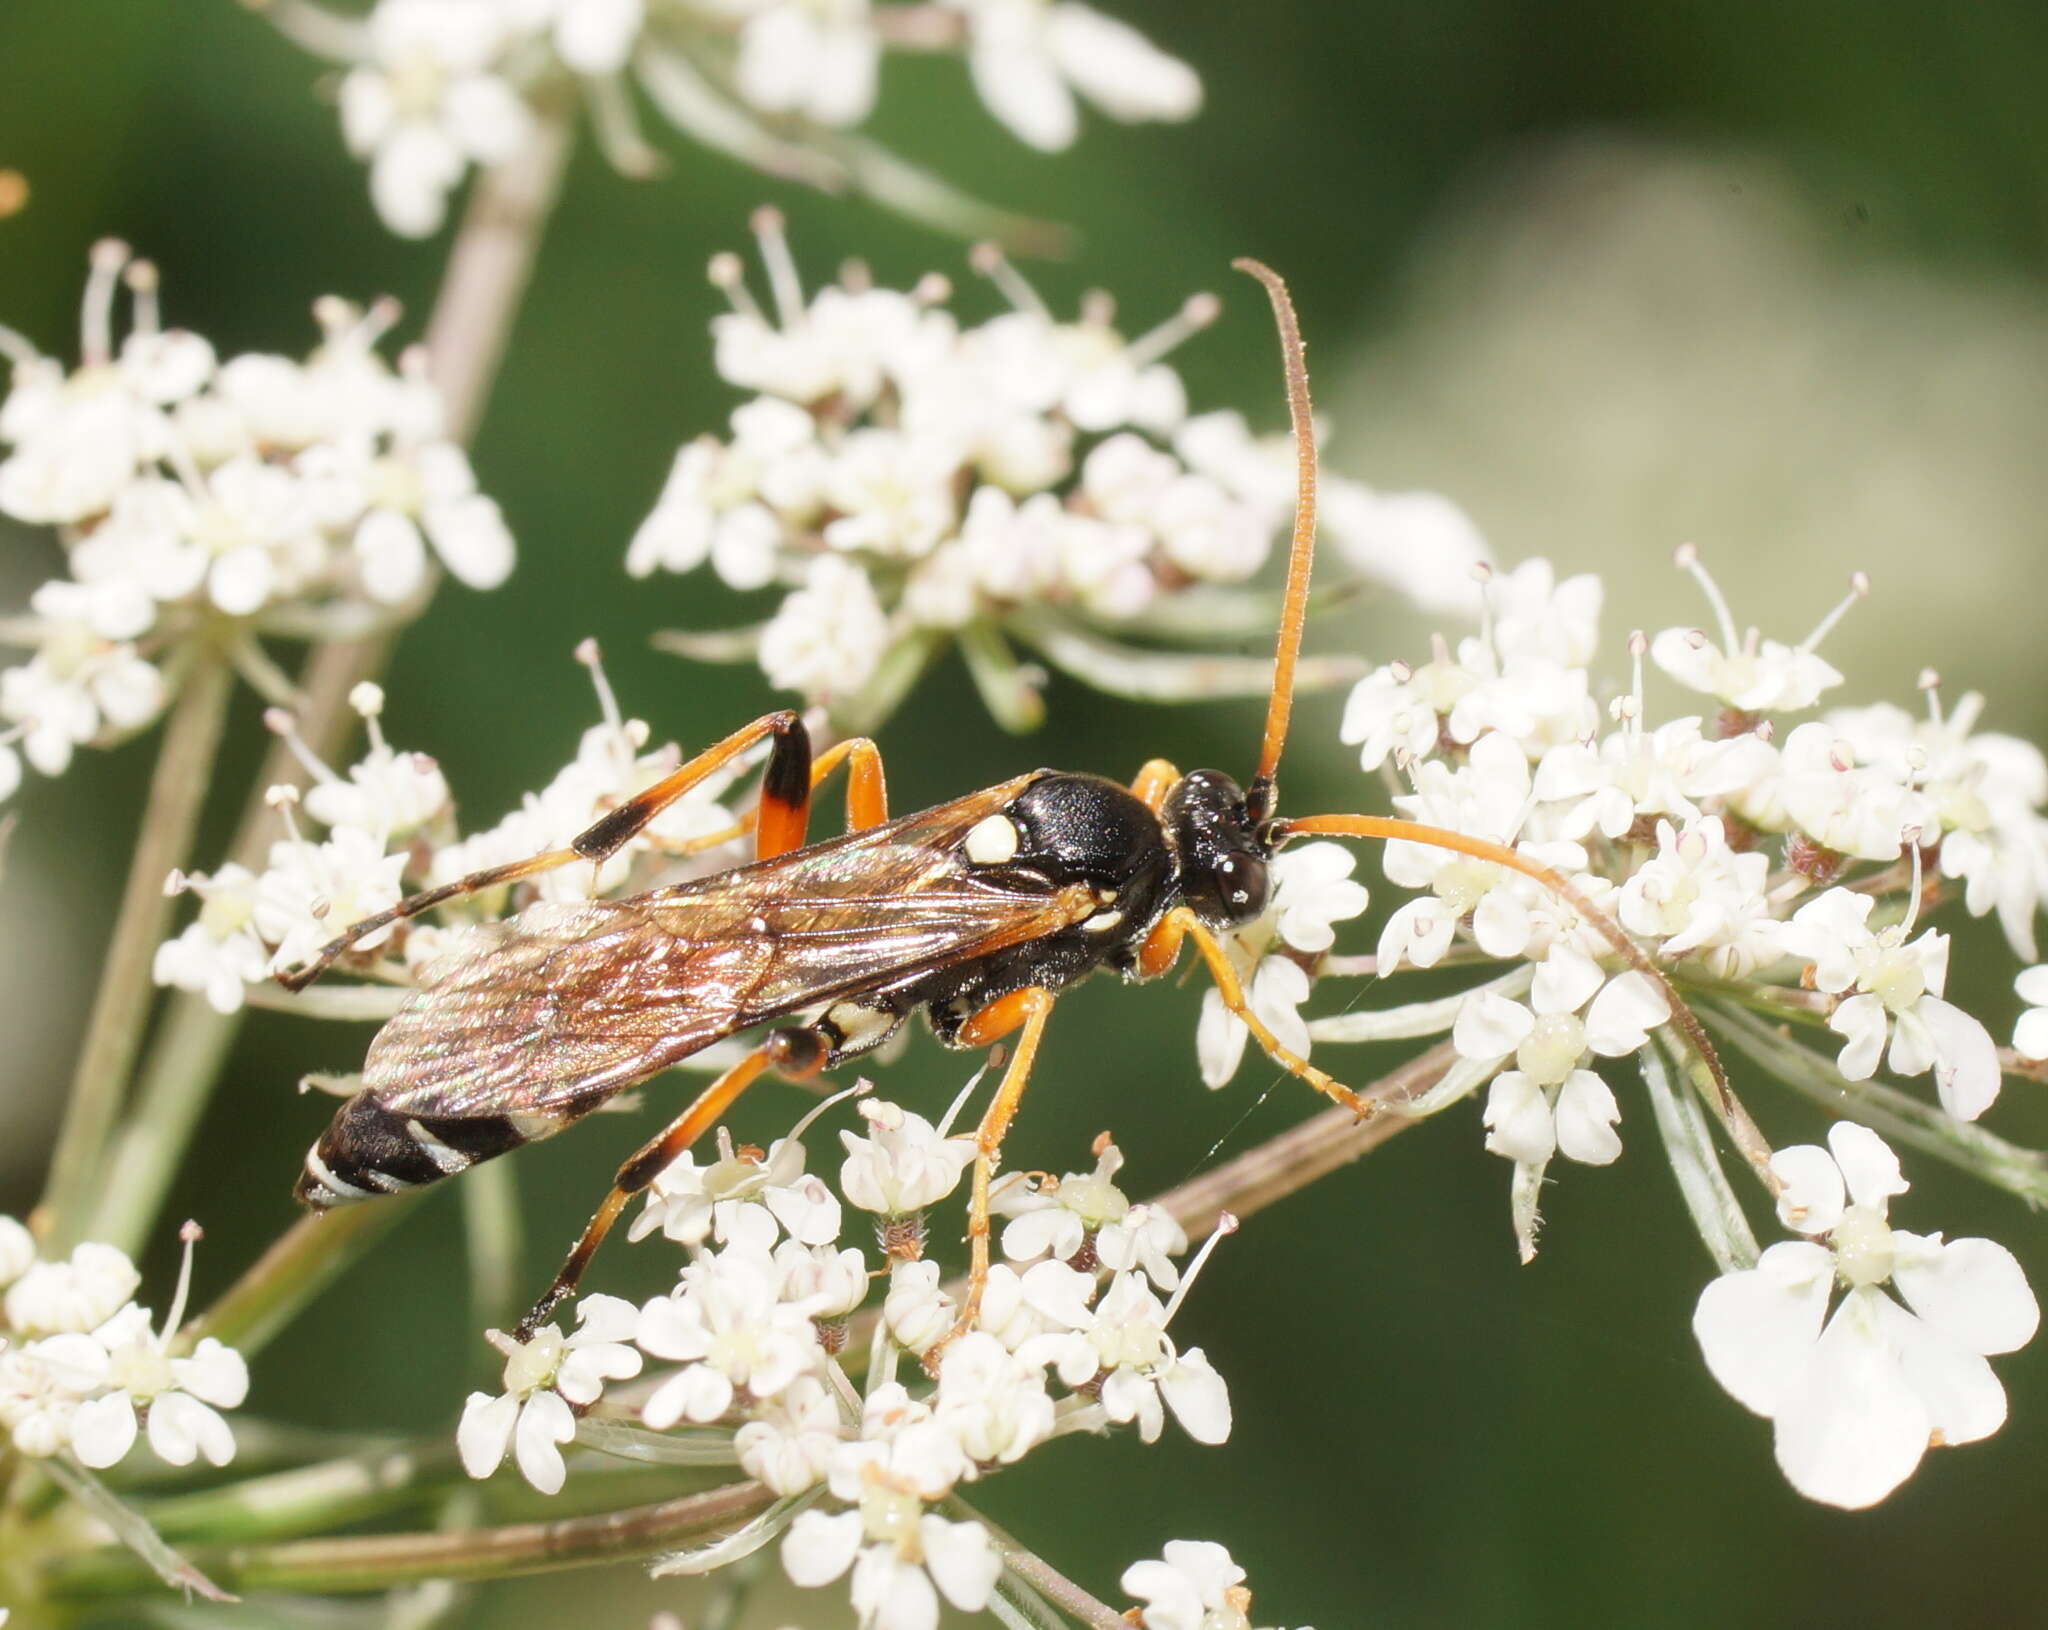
<point>789,766</point>
<point>798,1054</point>
<point>1162,949</point>
<point>867,795</point>
<point>1023,1011</point>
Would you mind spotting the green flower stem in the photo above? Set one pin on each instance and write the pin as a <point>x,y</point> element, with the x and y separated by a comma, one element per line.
<point>375,1562</point>
<point>191,1045</point>
<point>491,1226</point>
<point>177,794</point>
<point>300,1263</point>
<point>307,1499</point>
<point>1042,1576</point>
<point>1689,1146</point>
<point>1925,1126</point>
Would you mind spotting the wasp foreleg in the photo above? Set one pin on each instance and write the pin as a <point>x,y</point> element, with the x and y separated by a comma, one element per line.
<point>1162,947</point>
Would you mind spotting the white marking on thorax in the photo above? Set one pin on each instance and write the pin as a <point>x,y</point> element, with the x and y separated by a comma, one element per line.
<point>1102,922</point>
<point>992,841</point>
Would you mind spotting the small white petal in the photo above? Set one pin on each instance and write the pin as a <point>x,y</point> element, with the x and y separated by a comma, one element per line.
<point>1966,1070</point>
<point>1519,1121</point>
<point>963,1563</point>
<point>1812,1196</point>
<point>103,1430</point>
<point>485,1432</point>
<point>1868,1165</point>
<point>544,1424</point>
<point>1586,1113</point>
<point>1198,1397</point>
<point>818,1548</point>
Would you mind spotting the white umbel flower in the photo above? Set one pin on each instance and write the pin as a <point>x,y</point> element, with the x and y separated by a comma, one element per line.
<point>1892,989</point>
<point>546,1380</point>
<point>905,1165</point>
<point>1858,1396</point>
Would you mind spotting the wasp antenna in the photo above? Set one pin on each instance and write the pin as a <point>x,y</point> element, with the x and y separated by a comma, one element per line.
<point>1389,829</point>
<point>1301,553</point>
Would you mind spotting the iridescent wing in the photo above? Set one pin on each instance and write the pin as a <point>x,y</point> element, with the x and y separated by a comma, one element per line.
<point>548,1013</point>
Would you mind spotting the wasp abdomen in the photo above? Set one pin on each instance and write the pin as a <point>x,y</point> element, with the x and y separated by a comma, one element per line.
<point>370,1149</point>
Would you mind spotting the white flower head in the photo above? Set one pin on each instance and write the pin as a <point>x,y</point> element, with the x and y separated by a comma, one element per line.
<point>78,1294</point>
<point>1745,671</point>
<point>180,1398</point>
<point>1892,990</point>
<point>1856,1397</point>
<point>1028,57</point>
<point>1194,1586</point>
<point>547,1379</point>
<point>1550,1102</point>
<point>905,1164</point>
<point>730,1326</point>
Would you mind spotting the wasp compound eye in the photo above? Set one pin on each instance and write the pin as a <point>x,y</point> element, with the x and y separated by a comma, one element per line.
<point>1243,885</point>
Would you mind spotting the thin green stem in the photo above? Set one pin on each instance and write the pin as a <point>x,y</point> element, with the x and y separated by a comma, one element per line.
<point>372,1562</point>
<point>177,794</point>
<point>491,1224</point>
<point>1911,1120</point>
<point>300,1263</point>
<point>1043,1577</point>
<point>191,1045</point>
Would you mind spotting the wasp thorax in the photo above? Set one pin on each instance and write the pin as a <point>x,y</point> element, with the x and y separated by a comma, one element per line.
<point>1223,862</point>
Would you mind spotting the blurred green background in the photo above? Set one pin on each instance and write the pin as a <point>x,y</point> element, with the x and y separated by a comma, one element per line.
<point>1766,276</point>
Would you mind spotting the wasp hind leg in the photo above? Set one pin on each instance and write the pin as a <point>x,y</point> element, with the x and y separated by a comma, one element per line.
<point>795,1053</point>
<point>789,765</point>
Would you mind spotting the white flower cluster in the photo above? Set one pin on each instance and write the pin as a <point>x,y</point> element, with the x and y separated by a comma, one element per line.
<point>1194,1585</point>
<point>903,479</point>
<point>1711,840</point>
<point>201,500</point>
<point>752,1342</point>
<point>83,1369</point>
<point>433,87</point>
<point>1749,861</point>
<point>390,828</point>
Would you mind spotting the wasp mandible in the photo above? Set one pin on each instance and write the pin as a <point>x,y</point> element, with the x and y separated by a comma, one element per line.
<point>977,913</point>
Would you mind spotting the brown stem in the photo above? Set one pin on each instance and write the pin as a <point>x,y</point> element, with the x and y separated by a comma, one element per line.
<point>371,1562</point>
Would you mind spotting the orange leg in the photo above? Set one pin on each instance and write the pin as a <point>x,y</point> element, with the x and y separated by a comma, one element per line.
<point>1162,948</point>
<point>1153,782</point>
<point>781,1052</point>
<point>1025,1011</point>
<point>867,794</point>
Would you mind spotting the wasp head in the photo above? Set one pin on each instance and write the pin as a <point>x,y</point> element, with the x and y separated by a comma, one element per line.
<point>1223,858</point>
